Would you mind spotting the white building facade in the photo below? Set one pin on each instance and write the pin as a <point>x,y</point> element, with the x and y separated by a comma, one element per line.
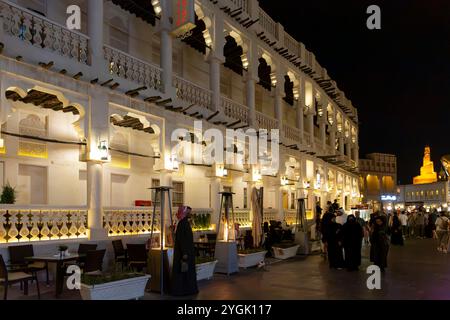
<point>87,116</point>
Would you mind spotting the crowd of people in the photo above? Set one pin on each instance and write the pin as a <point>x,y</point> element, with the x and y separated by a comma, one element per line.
<point>343,235</point>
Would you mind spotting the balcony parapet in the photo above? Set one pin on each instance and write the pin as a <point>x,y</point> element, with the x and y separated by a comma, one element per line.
<point>125,66</point>
<point>43,33</point>
<point>192,93</point>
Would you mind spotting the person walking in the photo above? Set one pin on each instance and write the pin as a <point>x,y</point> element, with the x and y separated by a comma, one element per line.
<point>412,224</point>
<point>396,230</point>
<point>380,243</point>
<point>324,228</point>
<point>341,217</point>
<point>442,224</point>
<point>420,225</point>
<point>352,234</point>
<point>404,223</point>
<point>363,225</point>
<point>184,278</point>
<point>318,219</point>
<point>430,227</point>
<point>334,245</point>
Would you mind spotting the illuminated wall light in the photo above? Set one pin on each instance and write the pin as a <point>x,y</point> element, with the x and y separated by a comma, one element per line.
<point>284,181</point>
<point>245,61</point>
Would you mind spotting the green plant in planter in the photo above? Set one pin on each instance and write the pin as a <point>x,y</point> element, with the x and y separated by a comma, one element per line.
<point>92,280</point>
<point>200,260</point>
<point>8,194</point>
<point>250,251</point>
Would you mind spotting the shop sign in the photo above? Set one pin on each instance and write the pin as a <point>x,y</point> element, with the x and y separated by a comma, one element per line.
<point>184,17</point>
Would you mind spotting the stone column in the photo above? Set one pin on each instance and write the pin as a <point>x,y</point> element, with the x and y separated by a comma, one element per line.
<point>333,139</point>
<point>216,58</point>
<point>95,33</point>
<point>278,104</point>
<point>215,200</point>
<point>99,130</point>
<point>252,78</point>
<point>166,55</point>
<point>341,143</point>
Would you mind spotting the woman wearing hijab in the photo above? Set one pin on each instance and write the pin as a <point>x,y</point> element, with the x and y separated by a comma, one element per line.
<point>184,276</point>
<point>396,231</point>
<point>334,244</point>
<point>380,243</point>
<point>352,240</point>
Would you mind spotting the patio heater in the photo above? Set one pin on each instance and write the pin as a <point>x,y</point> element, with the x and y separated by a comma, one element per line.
<point>159,256</point>
<point>226,246</point>
<point>301,227</point>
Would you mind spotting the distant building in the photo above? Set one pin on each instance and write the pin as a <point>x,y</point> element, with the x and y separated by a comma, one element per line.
<point>378,176</point>
<point>427,174</point>
<point>429,189</point>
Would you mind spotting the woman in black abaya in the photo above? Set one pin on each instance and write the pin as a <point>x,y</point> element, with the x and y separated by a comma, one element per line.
<point>380,243</point>
<point>352,240</point>
<point>184,276</point>
<point>396,231</point>
<point>334,241</point>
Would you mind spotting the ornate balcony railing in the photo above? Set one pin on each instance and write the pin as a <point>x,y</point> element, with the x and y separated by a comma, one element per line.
<point>122,221</point>
<point>268,24</point>
<point>265,122</point>
<point>292,134</point>
<point>307,139</point>
<point>289,216</point>
<point>38,31</point>
<point>291,44</point>
<point>240,4</point>
<point>270,214</point>
<point>192,93</point>
<point>35,223</point>
<point>234,110</point>
<point>128,67</point>
<point>242,216</point>
<point>129,221</point>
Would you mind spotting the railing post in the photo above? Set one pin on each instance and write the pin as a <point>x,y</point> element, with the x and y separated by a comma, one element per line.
<point>277,98</point>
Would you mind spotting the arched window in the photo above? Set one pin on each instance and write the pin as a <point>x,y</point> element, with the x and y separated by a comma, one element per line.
<point>233,52</point>
<point>288,90</point>
<point>196,40</point>
<point>118,34</point>
<point>264,71</point>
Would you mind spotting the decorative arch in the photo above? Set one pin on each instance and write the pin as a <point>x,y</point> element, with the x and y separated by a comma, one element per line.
<point>49,99</point>
<point>264,73</point>
<point>233,55</point>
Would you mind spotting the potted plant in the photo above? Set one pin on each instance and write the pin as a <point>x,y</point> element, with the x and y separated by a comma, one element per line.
<point>118,286</point>
<point>251,257</point>
<point>205,267</point>
<point>8,194</point>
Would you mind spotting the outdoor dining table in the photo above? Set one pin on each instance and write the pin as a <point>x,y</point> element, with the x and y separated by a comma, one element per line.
<point>59,261</point>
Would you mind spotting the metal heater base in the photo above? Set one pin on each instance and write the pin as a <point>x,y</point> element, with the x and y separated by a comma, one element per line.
<point>226,253</point>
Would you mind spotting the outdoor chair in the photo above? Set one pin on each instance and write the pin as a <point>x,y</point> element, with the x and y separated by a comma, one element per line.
<point>17,261</point>
<point>137,256</point>
<point>8,278</point>
<point>94,261</point>
<point>83,249</point>
<point>120,253</point>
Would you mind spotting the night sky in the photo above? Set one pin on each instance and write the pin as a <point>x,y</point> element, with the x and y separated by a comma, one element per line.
<point>397,77</point>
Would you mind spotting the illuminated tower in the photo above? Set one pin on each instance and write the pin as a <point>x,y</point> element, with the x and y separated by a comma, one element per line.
<point>427,174</point>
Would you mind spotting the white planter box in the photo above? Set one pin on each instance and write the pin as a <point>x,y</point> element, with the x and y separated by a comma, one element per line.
<point>126,289</point>
<point>252,259</point>
<point>285,253</point>
<point>205,270</point>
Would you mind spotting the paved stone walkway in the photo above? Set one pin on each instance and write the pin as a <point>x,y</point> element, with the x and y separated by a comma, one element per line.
<point>415,271</point>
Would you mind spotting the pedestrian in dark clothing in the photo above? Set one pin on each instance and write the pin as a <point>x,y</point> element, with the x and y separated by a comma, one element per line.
<point>334,245</point>
<point>380,243</point>
<point>430,227</point>
<point>184,276</point>
<point>396,231</point>
<point>352,240</point>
